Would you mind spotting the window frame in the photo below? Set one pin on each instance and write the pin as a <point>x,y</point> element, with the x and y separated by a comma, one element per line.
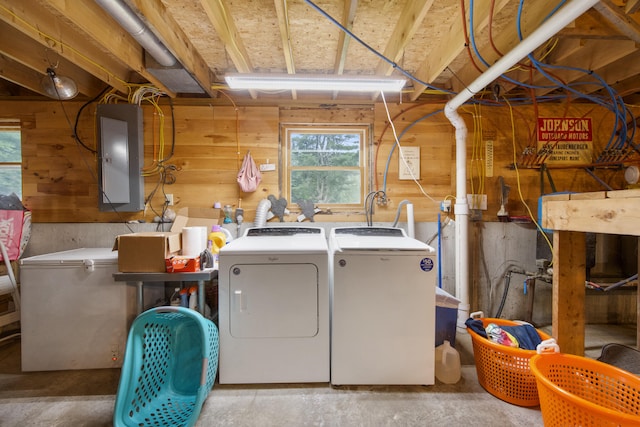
<point>14,126</point>
<point>340,128</point>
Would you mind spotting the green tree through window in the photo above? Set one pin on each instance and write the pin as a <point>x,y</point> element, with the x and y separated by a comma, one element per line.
<point>326,166</point>
<point>10,160</point>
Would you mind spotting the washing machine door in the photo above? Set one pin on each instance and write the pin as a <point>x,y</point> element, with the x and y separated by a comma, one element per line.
<point>273,300</point>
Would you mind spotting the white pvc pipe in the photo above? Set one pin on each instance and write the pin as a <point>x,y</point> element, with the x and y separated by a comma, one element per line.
<point>411,229</point>
<point>548,29</point>
<point>138,30</point>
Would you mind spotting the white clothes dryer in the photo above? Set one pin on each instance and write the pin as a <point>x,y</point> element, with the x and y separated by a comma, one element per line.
<point>383,307</point>
<point>274,307</point>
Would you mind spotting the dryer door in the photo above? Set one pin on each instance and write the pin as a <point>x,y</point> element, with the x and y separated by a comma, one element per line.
<point>273,300</point>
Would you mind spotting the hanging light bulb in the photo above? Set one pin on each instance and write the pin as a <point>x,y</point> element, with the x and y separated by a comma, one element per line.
<point>58,87</point>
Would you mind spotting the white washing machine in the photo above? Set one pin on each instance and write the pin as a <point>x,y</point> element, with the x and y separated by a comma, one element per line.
<point>383,307</point>
<point>274,306</point>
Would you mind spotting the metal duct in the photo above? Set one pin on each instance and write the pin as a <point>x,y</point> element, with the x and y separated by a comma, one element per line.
<point>138,29</point>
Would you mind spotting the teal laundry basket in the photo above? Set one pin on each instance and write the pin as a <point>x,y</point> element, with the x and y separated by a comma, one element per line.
<point>170,365</point>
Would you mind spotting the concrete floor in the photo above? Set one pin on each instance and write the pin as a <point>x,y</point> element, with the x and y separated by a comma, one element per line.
<point>86,398</point>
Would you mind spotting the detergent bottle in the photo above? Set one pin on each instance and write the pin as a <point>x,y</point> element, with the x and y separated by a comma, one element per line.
<point>175,297</point>
<point>447,363</point>
<point>193,297</point>
<point>184,297</point>
<point>218,239</point>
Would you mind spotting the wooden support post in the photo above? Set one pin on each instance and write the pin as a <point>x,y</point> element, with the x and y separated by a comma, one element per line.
<point>569,275</point>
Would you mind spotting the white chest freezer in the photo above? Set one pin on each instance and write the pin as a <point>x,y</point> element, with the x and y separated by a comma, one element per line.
<point>73,314</point>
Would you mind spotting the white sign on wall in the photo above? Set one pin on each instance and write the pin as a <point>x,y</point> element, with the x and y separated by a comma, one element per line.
<point>409,163</point>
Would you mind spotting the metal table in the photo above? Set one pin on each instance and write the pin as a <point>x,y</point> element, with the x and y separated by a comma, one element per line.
<point>140,278</point>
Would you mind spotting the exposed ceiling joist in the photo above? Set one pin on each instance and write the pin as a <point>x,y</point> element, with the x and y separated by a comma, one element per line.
<point>505,41</point>
<point>225,26</point>
<point>632,6</point>
<point>285,35</point>
<point>209,38</point>
<point>38,64</point>
<point>410,20</point>
<point>56,38</point>
<point>619,19</point>
<point>174,39</point>
<point>21,75</point>
<point>111,38</point>
<point>621,74</point>
<point>348,15</point>
<point>595,56</point>
<point>450,47</point>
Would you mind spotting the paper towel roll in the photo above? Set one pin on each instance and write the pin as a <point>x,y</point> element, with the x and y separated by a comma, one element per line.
<point>194,241</point>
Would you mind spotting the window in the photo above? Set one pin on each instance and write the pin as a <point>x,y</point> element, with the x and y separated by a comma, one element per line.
<point>10,160</point>
<point>326,165</point>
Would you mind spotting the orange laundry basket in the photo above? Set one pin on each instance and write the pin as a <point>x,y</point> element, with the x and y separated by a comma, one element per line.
<point>578,391</point>
<point>504,371</point>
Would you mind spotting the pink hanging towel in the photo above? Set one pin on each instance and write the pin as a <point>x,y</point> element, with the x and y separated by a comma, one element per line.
<point>249,176</point>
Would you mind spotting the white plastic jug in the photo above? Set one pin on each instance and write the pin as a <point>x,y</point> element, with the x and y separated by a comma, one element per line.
<point>447,364</point>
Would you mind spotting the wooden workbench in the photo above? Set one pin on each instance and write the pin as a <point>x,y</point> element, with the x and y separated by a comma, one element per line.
<point>571,216</point>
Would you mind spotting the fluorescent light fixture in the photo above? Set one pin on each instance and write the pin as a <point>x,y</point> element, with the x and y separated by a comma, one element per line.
<point>315,82</point>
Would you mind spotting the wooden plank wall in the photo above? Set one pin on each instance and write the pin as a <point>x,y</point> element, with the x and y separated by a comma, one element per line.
<point>60,184</point>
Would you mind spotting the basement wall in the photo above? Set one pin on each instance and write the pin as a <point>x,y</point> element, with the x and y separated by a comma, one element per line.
<point>59,184</point>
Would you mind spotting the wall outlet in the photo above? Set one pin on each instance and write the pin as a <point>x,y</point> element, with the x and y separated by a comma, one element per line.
<point>477,201</point>
<point>445,206</point>
<point>115,353</point>
<point>267,167</point>
<point>169,199</point>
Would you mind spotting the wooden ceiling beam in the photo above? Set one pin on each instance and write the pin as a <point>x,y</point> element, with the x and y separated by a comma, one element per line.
<point>348,16</point>
<point>594,56</point>
<point>285,34</point>
<point>21,75</point>
<point>174,39</point>
<point>55,36</point>
<point>616,16</point>
<point>225,26</point>
<point>632,6</point>
<point>410,20</point>
<point>111,38</point>
<point>532,18</point>
<point>624,72</point>
<point>38,62</point>
<point>450,47</point>
<point>591,25</point>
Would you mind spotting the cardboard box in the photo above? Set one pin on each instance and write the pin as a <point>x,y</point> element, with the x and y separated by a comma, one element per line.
<point>196,217</point>
<point>182,264</point>
<point>146,252</point>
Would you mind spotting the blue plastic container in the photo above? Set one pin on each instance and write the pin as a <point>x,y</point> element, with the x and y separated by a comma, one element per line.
<point>446,317</point>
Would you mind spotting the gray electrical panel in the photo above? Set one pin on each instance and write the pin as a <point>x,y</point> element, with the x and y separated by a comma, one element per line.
<point>121,157</point>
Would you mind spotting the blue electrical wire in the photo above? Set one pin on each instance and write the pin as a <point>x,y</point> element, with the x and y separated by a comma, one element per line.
<point>375,52</point>
<point>613,103</point>
<point>474,46</point>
